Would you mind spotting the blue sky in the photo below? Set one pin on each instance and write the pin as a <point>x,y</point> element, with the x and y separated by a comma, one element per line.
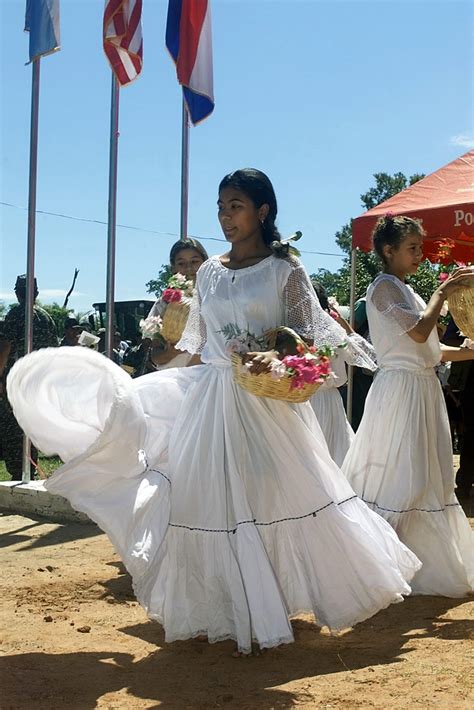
<point>318,94</point>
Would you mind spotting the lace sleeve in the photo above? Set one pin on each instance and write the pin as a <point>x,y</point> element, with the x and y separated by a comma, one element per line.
<point>393,302</point>
<point>357,341</point>
<point>194,335</point>
<point>305,316</point>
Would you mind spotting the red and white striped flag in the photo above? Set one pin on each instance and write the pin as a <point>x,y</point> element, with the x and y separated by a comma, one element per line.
<point>123,44</point>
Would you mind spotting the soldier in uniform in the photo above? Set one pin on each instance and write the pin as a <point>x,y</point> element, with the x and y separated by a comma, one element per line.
<point>12,347</point>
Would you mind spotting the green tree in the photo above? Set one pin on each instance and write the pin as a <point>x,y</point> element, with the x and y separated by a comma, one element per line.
<point>158,285</point>
<point>58,314</point>
<point>338,284</point>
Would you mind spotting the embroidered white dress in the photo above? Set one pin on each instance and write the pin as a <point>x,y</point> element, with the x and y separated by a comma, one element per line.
<point>226,508</point>
<point>401,462</point>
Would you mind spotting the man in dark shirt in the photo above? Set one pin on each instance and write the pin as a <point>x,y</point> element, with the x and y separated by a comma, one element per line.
<point>12,347</point>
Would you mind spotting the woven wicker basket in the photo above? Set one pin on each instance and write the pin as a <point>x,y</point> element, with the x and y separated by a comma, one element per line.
<point>461,306</point>
<point>174,320</point>
<point>265,385</point>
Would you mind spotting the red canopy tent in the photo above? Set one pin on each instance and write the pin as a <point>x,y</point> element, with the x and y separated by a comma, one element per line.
<point>444,201</point>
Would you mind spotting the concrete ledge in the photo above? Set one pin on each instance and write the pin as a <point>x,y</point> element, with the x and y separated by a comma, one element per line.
<point>32,497</point>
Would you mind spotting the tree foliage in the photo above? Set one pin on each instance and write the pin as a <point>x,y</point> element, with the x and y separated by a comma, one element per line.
<point>158,285</point>
<point>338,283</point>
<point>58,314</point>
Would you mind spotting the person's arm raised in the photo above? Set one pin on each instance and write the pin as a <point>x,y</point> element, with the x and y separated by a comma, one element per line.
<point>421,331</point>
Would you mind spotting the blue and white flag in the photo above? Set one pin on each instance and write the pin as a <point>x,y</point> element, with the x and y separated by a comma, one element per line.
<point>42,22</point>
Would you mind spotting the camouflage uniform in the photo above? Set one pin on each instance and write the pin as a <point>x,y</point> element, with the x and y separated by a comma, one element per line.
<point>13,330</point>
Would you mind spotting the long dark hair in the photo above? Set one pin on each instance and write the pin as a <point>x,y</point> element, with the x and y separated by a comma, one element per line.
<point>258,188</point>
<point>321,294</point>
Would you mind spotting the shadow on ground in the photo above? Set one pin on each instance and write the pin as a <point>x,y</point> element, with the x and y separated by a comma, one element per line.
<point>62,532</point>
<point>200,676</point>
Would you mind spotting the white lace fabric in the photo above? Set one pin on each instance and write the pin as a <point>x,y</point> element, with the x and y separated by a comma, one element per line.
<point>393,309</point>
<point>194,336</point>
<point>392,299</point>
<point>308,319</point>
<point>283,285</point>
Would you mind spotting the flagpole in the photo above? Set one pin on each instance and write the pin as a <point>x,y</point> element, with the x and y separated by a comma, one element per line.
<point>184,173</point>
<point>112,217</point>
<point>30,252</point>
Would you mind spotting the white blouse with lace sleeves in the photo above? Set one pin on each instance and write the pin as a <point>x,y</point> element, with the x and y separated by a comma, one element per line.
<point>393,299</point>
<point>393,310</point>
<point>194,336</point>
<point>303,311</point>
<point>305,315</point>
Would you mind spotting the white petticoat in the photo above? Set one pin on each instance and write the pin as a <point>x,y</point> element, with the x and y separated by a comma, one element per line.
<point>401,465</point>
<point>329,409</point>
<point>226,508</point>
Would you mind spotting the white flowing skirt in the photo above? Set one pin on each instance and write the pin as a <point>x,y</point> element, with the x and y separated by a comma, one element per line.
<point>401,465</point>
<point>229,513</point>
<point>329,409</point>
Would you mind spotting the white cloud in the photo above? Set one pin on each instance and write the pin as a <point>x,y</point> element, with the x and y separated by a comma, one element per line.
<point>465,140</point>
<point>7,296</point>
<point>51,293</point>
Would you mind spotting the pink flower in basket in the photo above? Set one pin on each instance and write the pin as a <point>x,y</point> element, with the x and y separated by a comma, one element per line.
<point>172,295</point>
<point>307,369</point>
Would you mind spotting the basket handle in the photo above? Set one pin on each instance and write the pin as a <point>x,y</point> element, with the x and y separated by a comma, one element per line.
<point>272,336</point>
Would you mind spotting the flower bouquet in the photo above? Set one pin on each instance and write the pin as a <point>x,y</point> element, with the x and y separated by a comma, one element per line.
<point>151,327</point>
<point>177,295</point>
<point>294,378</point>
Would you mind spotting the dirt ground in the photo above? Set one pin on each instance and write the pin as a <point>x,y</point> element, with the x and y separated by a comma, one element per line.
<point>73,637</point>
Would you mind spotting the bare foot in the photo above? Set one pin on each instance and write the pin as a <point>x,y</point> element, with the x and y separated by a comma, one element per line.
<point>256,651</point>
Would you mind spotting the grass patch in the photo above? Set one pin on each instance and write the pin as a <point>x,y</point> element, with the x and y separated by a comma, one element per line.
<point>48,465</point>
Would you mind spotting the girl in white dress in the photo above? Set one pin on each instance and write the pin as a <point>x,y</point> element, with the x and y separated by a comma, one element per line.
<point>401,461</point>
<point>186,256</point>
<point>327,402</point>
<point>226,508</point>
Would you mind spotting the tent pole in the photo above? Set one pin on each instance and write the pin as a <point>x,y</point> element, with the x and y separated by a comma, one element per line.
<point>350,370</point>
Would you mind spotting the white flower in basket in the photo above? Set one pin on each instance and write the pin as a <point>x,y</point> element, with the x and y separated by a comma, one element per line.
<point>151,327</point>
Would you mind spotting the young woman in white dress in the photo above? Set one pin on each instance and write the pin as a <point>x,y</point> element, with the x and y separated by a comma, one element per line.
<point>400,462</point>
<point>226,508</point>
<point>186,257</point>
<point>327,402</point>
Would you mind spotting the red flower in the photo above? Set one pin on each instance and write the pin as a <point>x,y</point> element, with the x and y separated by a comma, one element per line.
<point>171,295</point>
